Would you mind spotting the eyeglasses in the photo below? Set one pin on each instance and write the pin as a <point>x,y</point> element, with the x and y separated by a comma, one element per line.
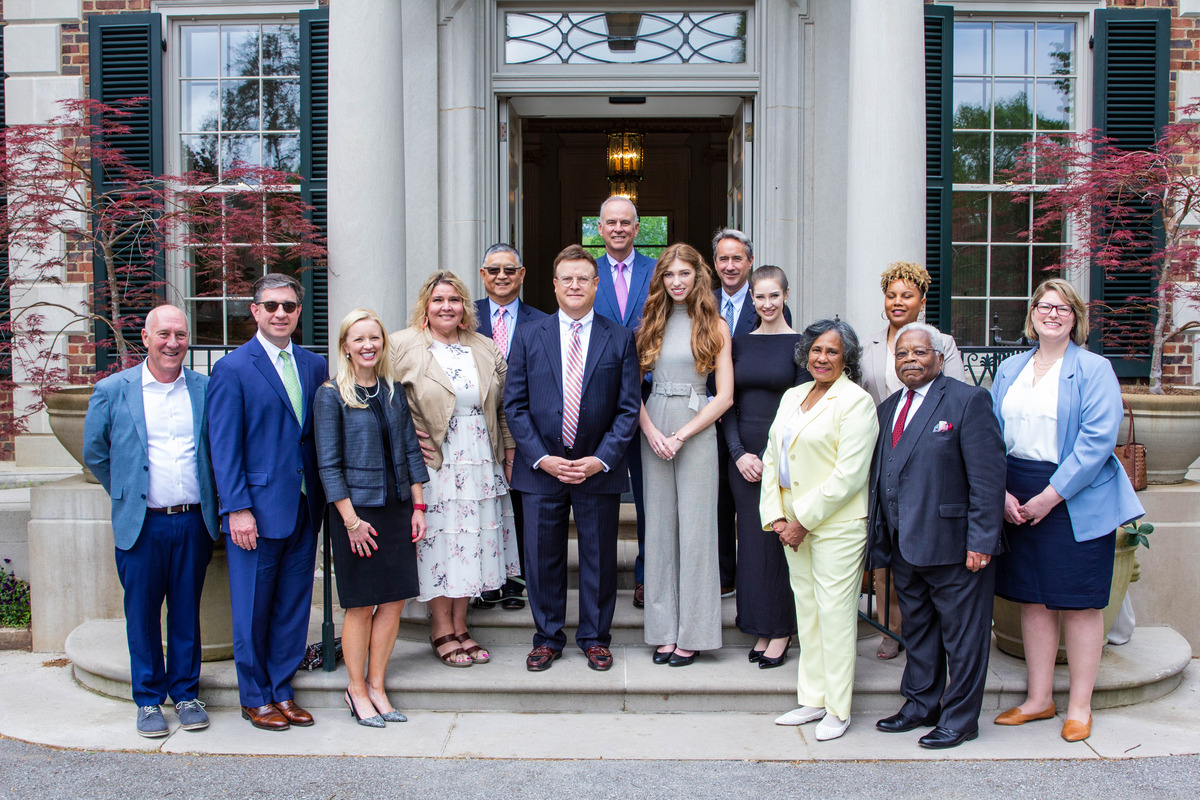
<point>915,353</point>
<point>496,270</point>
<point>574,281</point>
<point>1046,308</point>
<point>271,306</point>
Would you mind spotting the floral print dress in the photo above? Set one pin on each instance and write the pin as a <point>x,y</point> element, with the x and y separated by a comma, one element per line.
<point>471,545</point>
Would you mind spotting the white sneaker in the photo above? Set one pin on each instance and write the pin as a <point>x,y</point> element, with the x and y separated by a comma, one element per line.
<point>831,727</point>
<point>799,716</point>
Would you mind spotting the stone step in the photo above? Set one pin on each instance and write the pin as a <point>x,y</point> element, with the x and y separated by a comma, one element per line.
<point>1148,667</point>
<point>1179,502</point>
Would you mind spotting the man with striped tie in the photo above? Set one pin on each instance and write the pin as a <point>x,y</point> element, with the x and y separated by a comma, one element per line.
<point>571,399</point>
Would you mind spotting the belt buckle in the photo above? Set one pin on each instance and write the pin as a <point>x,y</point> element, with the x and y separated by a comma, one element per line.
<point>179,509</point>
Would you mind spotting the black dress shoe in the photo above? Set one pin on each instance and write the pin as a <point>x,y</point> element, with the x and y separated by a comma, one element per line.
<point>767,662</point>
<point>901,723</point>
<point>512,598</point>
<point>677,660</point>
<point>663,658</point>
<point>755,655</point>
<point>941,738</point>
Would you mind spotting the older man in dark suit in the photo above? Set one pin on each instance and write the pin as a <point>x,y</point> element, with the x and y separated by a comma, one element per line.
<point>937,506</point>
<point>572,403</point>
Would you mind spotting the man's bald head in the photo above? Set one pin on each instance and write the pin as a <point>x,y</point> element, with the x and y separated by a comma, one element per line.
<point>165,336</point>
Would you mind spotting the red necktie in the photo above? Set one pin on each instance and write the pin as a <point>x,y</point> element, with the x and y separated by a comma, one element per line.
<point>572,386</point>
<point>898,431</point>
<point>500,333</point>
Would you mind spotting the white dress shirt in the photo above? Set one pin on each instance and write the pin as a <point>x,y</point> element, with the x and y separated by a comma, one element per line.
<point>273,352</point>
<point>510,321</point>
<point>1031,415</point>
<point>627,272</point>
<point>785,444</point>
<point>918,398</point>
<point>738,298</point>
<point>170,442</point>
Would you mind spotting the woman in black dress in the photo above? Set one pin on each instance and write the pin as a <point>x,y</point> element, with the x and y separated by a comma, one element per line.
<point>764,367</point>
<point>372,469</point>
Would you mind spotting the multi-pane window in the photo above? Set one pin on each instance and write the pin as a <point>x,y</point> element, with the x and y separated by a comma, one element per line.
<point>651,239</point>
<point>1013,81</point>
<point>239,101</point>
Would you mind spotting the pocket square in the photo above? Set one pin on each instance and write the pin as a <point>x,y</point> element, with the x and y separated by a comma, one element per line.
<point>942,427</point>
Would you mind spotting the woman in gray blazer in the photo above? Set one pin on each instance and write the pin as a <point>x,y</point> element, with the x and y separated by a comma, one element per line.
<point>372,470</point>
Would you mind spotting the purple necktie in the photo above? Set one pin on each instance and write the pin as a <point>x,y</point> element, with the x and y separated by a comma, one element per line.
<point>622,289</point>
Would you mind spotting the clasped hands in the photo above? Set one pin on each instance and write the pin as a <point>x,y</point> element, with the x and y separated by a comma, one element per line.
<point>1034,510</point>
<point>790,534</point>
<point>665,447</point>
<point>571,471</point>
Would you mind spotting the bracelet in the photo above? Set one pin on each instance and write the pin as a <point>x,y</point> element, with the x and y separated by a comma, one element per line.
<point>508,463</point>
<point>354,527</point>
<point>418,506</point>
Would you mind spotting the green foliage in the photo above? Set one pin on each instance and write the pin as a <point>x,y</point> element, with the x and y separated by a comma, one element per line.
<point>14,600</point>
<point>1136,533</point>
<point>651,239</point>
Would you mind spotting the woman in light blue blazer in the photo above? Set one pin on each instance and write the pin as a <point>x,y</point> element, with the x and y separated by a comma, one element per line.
<point>1059,408</point>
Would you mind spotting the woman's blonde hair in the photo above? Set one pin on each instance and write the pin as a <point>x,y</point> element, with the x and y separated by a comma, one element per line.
<point>1079,332</point>
<point>420,316</point>
<point>701,307</point>
<point>344,380</point>
<point>909,272</point>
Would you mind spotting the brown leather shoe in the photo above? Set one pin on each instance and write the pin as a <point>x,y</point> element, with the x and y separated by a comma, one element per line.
<point>639,596</point>
<point>266,717</point>
<point>1076,731</point>
<point>599,657</point>
<point>541,657</point>
<point>1014,716</point>
<point>294,713</point>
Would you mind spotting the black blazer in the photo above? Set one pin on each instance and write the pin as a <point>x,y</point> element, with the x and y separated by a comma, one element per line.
<point>350,448</point>
<point>951,475</point>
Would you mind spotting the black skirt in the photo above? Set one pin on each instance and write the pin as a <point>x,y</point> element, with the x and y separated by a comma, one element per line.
<point>1043,563</point>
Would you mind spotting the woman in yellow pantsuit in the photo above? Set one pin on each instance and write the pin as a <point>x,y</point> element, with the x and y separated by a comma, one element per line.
<point>814,497</point>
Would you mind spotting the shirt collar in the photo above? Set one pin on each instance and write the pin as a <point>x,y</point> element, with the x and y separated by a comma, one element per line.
<point>921,392</point>
<point>148,378</point>
<point>274,351</point>
<point>586,319</point>
<point>738,297</point>
<point>612,262</point>
<point>511,308</point>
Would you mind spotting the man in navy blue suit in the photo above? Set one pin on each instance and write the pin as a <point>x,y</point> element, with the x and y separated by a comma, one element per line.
<point>260,400</point>
<point>499,314</point>
<point>621,295</point>
<point>571,399</point>
<point>144,440</point>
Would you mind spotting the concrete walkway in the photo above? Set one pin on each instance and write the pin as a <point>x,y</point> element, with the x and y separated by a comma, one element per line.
<point>42,703</point>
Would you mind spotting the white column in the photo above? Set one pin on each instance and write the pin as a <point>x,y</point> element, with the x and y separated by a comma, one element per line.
<point>886,149</point>
<point>367,259</point>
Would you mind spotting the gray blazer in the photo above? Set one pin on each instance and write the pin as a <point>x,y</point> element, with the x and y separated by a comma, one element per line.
<point>350,448</point>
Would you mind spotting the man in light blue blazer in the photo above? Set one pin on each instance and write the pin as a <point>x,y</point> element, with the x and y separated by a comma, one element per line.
<point>265,461</point>
<point>623,303</point>
<point>145,440</point>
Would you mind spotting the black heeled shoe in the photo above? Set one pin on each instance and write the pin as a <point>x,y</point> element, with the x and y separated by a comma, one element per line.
<point>766,662</point>
<point>370,722</point>
<point>677,660</point>
<point>663,658</point>
<point>755,655</point>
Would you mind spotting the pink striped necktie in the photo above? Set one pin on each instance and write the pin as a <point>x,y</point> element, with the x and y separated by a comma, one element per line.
<point>621,289</point>
<point>500,333</point>
<point>572,386</point>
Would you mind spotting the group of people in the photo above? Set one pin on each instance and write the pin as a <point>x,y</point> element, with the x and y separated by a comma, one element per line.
<point>454,453</point>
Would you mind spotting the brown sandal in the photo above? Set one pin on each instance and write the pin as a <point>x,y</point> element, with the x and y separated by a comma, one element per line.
<point>471,651</point>
<point>449,658</point>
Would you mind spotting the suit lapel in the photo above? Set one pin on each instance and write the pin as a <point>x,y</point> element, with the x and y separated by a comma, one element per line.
<point>486,370</point>
<point>552,344</point>
<point>642,267</point>
<point>918,426</point>
<point>1066,390</point>
<point>817,410</point>
<point>745,320</point>
<point>137,408</point>
<point>262,363</point>
<point>197,396</point>
<point>596,344</point>
<point>606,294</point>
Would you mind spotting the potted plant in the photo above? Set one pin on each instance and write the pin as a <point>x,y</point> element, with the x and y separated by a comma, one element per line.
<point>77,207</point>
<point>1132,211</point>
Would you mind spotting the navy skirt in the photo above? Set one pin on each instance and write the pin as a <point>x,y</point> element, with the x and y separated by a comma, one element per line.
<point>1043,563</point>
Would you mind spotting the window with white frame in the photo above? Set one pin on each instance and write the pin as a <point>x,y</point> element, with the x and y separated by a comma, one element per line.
<point>238,100</point>
<point>1014,80</point>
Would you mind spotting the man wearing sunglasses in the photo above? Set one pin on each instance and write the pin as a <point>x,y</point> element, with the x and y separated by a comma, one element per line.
<point>499,314</point>
<point>260,400</point>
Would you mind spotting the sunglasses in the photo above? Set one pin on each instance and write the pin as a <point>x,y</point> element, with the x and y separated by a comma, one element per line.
<point>507,270</point>
<point>271,306</point>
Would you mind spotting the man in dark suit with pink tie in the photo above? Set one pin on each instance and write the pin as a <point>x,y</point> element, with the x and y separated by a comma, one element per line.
<point>571,399</point>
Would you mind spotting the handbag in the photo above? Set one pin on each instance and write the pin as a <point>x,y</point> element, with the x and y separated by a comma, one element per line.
<point>1132,455</point>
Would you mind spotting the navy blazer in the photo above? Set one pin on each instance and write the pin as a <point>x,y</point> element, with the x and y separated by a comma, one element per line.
<point>350,447</point>
<point>115,449</point>
<point>525,314</point>
<point>1089,477</point>
<point>608,409</point>
<point>260,454</point>
<point>950,469</point>
<point>639,288</point>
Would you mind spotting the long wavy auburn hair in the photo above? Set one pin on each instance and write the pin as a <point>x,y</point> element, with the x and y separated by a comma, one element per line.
<point>707,324</point>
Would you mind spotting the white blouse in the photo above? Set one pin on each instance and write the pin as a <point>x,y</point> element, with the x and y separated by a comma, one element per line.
<point>1030,415</point>
<point>786,438</point>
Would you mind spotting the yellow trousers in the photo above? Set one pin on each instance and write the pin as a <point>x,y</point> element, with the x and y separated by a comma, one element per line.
<point>826,576</point>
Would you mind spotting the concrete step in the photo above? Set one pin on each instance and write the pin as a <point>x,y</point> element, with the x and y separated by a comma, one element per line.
<point>1148,667</point>
<point>1178,502</point>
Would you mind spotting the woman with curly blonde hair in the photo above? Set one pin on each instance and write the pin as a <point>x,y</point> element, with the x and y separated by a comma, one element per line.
<point>682,339</point>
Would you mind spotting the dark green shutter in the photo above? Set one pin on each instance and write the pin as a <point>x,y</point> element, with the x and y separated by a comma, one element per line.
<point>939,68</point>
<point>125,62</point>
<point>314,162</point>
<point>5,293</point>
<point>1132,60</point>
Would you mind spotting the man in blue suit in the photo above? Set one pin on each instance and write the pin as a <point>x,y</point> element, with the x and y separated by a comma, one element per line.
<point>572,403</point>
<point>621,296</point>
<point>264,456</point>
<point>499,314</point>
<point>145,441</point>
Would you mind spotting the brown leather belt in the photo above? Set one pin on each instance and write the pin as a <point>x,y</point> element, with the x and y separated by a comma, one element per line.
<point>175,509</point>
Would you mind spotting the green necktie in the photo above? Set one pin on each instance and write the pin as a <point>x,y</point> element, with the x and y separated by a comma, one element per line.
<point>291,382</point>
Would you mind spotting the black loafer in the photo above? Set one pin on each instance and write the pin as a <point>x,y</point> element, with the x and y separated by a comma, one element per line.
<point>663,658</point>
<point>941,738</point>
<point>901,723</point>
<point>677,660</point>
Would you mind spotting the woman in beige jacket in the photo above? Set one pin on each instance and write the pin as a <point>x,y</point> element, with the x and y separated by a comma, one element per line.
<point>454,380</point>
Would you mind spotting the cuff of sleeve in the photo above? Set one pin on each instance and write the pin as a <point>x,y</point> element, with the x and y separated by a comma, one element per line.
<point>534,465</point>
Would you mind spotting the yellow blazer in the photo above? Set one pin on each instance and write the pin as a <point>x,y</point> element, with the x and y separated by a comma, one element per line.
<point>431,394</point>
<point>829,460</point>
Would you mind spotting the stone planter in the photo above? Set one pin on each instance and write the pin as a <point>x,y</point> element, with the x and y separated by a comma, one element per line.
<point>1006,615</point>
<point>1169,427</point>
<point>16,638</point>
<point>67,409</point>
<point>216,615</point>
